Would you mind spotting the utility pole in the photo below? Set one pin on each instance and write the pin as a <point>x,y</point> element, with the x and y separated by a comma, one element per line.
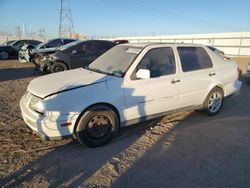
<point>18,31</point>
<point>66,27</point>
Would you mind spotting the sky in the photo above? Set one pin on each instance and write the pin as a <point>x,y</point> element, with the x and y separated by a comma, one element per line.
<point>114,18</point>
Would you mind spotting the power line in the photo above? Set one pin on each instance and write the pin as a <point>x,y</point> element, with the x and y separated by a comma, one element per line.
<point>165,14</point>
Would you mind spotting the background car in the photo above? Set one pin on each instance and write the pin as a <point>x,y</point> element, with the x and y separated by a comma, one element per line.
<point>34,55</point>
<point>76,54</point>
<point>248,74</point>
<point>7,51</point>
<point>11,49</point>
<point>7,42</point>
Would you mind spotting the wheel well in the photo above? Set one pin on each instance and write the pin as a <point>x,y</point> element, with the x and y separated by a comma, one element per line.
<point>217,86</point>
<point>220,87</point>
<point>61,62</point>
<point>98,104</point>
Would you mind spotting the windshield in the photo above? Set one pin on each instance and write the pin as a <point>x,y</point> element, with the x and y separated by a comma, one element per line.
<point>116,61</point>
<point>43,43</point>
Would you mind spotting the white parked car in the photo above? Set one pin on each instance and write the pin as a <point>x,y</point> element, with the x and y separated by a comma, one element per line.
<point>128,84</point>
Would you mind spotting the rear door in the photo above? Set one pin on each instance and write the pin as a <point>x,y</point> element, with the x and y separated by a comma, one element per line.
<point>83,55</point>
<point>198,73</point>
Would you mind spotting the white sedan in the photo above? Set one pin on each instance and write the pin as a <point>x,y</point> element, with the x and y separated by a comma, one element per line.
<point>128,84</point>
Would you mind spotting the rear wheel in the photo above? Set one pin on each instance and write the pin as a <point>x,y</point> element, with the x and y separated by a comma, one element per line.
<point>97,126</point>
<point>4,55</point>
<point>58,67</point>
<point>214,101</point>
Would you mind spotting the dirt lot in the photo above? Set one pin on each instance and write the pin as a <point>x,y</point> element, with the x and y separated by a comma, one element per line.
<point>182,150</point>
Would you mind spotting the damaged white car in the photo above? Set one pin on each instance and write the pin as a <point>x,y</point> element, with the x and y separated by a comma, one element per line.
<point>128,84</point>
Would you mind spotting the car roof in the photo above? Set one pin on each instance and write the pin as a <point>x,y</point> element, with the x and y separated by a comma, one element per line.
<point>143,45</point>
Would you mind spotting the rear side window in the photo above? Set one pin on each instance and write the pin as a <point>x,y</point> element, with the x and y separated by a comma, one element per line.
<point>66,41</point>
<point>194,58</point>
<point>159,61</point>
<point>103,45</point>
<point>34,42</point>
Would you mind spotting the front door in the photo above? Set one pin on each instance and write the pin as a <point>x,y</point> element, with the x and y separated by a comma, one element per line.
<point>157,94</point>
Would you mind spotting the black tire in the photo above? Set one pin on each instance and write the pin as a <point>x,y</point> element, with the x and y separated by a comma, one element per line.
<point>97,126</point>
<point>4,55</point>
<point>58,67</point>
<point>214,101</point>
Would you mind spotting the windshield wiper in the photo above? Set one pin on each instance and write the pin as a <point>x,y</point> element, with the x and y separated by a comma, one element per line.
<point>114,73</point>
<point>96,70</point>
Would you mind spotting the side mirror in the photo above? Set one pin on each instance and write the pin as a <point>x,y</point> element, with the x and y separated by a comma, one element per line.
<point>74,52</point>
<point>143,74</point>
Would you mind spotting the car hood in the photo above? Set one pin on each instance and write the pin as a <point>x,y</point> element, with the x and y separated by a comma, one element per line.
<point>44,50</point>
<point>63,81</point>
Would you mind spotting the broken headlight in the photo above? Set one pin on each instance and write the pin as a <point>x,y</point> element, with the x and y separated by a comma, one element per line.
<point>37,104</point>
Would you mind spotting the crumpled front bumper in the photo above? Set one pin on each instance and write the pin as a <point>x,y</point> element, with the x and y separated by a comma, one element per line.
<point>48,128</point>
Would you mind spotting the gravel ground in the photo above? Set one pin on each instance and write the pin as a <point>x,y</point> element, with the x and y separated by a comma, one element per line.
<point>187,149</point>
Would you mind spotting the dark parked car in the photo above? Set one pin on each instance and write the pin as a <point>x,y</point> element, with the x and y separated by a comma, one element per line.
<point>76,54</point>
<point>248,74</point>
<point>10,49</point>
<point>35,54</point>
<point>7,42</point>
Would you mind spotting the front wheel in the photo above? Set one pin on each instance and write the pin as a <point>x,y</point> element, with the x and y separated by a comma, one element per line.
<point>97,126</point>
<point>58,67</point>
<point>214,101</point>
<point>4,55</point>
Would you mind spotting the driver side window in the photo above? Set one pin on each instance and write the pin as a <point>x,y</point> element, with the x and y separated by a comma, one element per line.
<point>159,61</point>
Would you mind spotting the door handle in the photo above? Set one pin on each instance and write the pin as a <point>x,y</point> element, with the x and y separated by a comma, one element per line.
<point>212,74</point>
<point>175,81</point>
